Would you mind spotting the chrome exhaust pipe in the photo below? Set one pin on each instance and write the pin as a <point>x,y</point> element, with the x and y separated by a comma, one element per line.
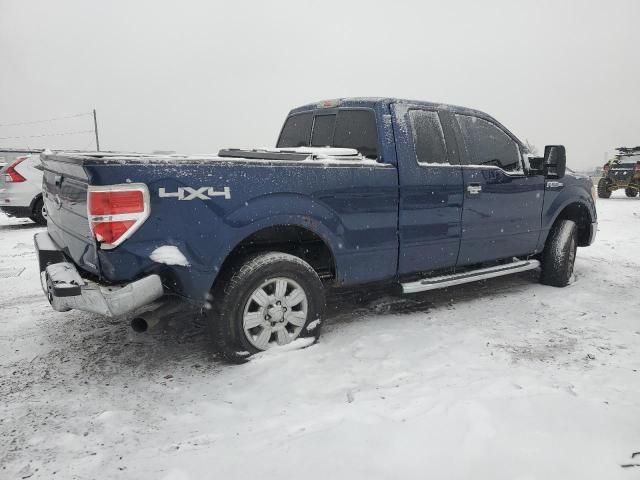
<point>144,322</point>
<point>155,313</point>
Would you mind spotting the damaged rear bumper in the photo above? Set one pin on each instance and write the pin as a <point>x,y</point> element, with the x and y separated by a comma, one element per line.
<point>66,289</point>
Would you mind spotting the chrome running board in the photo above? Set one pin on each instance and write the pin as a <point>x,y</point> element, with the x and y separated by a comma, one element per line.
<point>470,276</point>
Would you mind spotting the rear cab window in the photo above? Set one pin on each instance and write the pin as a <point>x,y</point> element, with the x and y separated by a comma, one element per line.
<point>345,128</point>
<point>323,126</point>
<point>357,129</point>
<point>296,131</point>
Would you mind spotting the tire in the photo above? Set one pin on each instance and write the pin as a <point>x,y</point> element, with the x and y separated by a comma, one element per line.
<point>559,255</point>
<point>631,192</point>
<point>277,314</point>
<point>603,188</point>
<point>39,214</point>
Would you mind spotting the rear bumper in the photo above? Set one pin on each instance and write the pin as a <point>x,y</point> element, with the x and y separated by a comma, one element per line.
<point>66,289</point>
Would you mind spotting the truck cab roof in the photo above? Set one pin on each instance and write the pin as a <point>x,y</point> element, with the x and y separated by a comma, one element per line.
<point>346,102</point>
<point>385,103</point>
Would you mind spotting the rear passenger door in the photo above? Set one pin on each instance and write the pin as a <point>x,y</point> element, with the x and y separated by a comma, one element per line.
<point>502,209</point>
<point>430,189</point>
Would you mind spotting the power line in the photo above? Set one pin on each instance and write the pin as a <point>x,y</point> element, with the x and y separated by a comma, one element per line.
<point>33,122</point>
<point>48,135</point>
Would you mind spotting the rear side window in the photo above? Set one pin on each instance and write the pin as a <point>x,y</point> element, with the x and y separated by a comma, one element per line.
<point>357,129</point>
<point>428,137</point>
<point>296,131</point>
<point>323,130</point>
<point>486,144</point>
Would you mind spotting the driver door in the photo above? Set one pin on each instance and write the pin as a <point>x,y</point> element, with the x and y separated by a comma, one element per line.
<point>501,215</point>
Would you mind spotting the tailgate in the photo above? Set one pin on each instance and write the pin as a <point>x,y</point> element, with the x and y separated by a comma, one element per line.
<point>64,188</point>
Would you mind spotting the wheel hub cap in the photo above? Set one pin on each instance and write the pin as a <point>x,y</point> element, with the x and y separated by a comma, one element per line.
<point>275,313</point>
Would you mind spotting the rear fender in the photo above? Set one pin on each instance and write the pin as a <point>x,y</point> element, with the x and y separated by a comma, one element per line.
<point>210,241</point>
<point>258,214</point>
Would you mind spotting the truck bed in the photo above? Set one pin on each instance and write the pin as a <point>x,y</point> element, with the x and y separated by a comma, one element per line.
<point>342,197</point>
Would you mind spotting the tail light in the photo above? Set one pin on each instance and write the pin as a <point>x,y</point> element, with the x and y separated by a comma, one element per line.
<point>116,211</point>
<point>11,175</point>
<point>605,169</point>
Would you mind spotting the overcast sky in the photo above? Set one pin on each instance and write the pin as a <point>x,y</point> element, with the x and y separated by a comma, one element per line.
<point>194,76</point>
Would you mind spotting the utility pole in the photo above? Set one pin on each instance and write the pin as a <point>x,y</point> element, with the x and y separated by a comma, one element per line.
<point>95,130</point>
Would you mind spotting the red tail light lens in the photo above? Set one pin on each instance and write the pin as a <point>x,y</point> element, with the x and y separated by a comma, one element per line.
<point>110,232</point>
<point>10,174</point>
<point>115,212</point>
<point>115,203</point>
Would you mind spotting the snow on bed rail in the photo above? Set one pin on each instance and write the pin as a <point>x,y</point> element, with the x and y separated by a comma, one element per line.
<point>323,155</point>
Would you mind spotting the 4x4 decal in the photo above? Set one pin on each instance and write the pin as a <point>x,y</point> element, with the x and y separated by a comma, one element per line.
<point>188,193</point>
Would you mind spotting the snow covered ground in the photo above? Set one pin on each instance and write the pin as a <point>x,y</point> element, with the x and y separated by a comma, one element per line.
<point>504,379</point>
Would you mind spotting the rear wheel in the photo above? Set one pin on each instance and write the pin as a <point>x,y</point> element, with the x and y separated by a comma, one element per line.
<point>39,214</point>
<point>630,192</point>
<point>559,255</point>
<point>603,188</point>
<point>269,299</point>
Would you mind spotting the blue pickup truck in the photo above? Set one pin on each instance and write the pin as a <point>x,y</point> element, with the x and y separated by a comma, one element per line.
<point>357,190</point>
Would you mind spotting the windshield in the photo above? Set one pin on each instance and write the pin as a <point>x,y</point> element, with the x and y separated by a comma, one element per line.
<point>627,160</point>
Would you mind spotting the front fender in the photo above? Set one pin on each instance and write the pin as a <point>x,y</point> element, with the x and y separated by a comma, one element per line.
<point>556,202</point>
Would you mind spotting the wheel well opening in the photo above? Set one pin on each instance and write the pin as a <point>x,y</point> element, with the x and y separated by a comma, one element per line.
<point>34,202</point>
<point>578,213</point>
<point>292,239</point>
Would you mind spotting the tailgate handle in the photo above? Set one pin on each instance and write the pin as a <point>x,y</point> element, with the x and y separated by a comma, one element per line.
<point>58,180</point>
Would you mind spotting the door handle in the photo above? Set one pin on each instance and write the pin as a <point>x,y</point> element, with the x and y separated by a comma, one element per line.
<point>474,188</point>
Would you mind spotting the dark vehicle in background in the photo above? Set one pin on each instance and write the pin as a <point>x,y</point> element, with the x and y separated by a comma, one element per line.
<point>358,191</point>
<point>622,172</point>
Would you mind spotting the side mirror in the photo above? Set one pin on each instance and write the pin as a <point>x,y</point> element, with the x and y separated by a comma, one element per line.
<point>555,161</point>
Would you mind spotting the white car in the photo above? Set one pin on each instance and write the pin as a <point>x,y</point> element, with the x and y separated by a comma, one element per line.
<point>21,189</point>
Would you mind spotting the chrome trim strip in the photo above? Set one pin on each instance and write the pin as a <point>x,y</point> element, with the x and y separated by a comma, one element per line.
<point>472,276</point>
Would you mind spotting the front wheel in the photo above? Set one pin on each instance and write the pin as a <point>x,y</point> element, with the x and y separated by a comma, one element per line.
<point>603,188</point>
<point>631,192</point>
<point>559,254</point>
<point>269,299</point>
